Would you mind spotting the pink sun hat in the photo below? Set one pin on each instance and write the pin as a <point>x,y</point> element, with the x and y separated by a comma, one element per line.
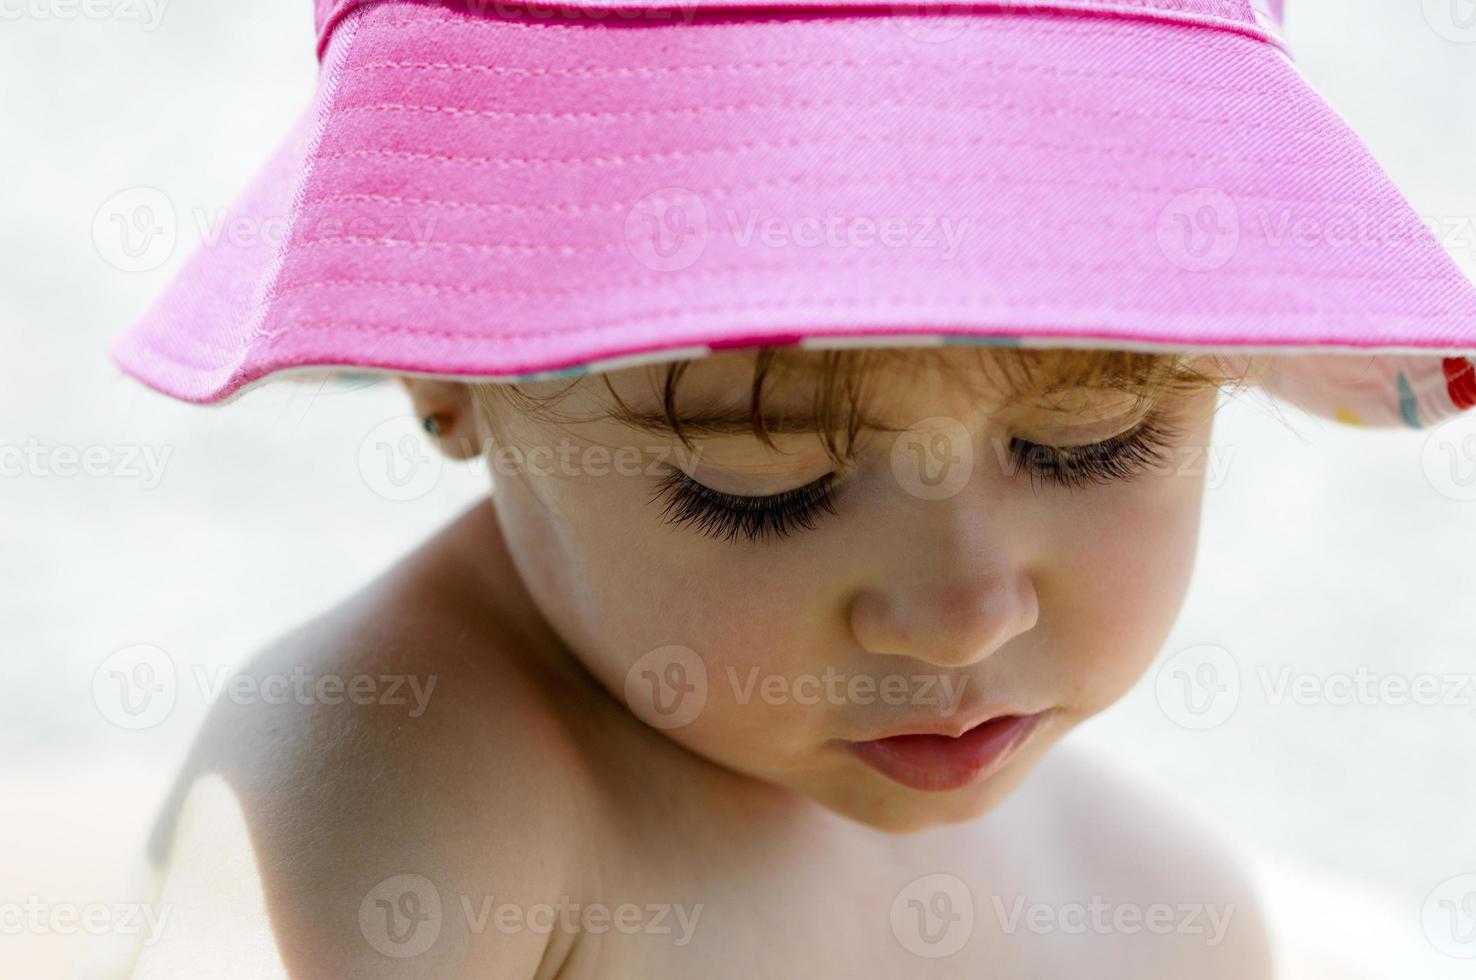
<point>509,191</point>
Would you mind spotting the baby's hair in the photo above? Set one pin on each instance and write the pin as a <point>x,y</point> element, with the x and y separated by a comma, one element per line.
<point>842,381</point>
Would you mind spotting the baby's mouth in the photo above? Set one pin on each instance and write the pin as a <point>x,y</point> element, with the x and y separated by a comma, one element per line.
<point>933,762</point>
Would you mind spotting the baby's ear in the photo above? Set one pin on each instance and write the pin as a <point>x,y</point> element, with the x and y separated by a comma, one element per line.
<point>448,412</point>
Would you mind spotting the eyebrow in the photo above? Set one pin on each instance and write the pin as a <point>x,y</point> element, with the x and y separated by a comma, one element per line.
<point>737,421</point>
<point>710,423</point>
<point>720,423</point>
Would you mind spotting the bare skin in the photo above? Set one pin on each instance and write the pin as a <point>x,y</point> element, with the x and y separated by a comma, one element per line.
<point>738,845</point>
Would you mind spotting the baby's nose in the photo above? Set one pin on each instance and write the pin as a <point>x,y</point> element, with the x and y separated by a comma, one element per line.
<point>951,624</point>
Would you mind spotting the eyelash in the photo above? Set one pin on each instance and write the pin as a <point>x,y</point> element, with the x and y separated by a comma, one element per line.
<point>727,516</point>
<point>1124,457</point>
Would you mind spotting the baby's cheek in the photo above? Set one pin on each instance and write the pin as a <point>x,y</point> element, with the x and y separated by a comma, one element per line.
<point>641,603</point>
<point>1125,586</point>
<point>754,637</point>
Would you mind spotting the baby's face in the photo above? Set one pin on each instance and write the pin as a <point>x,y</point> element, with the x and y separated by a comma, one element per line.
<point>786,616</point>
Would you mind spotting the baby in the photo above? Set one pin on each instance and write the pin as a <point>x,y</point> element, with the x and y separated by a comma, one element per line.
<point>727,692</point>
<point>847,378</point>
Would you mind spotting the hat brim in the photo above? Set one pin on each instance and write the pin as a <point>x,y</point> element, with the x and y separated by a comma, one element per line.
<point>483,197</point>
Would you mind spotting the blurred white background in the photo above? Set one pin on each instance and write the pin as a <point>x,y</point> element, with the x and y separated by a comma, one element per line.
<point>1325,549</point>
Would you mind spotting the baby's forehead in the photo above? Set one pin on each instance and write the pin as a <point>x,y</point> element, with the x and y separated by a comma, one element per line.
<point>797,391</point>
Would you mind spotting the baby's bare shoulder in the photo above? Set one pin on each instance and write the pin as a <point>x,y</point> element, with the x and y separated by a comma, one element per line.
<point>1124,863</point>
<point>415,766</point>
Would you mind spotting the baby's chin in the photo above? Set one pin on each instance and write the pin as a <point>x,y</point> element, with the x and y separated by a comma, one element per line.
<point>897,809</point>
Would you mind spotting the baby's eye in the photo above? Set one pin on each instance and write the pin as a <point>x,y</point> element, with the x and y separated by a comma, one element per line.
<point>1123,457</point>
<point>728,516</point>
